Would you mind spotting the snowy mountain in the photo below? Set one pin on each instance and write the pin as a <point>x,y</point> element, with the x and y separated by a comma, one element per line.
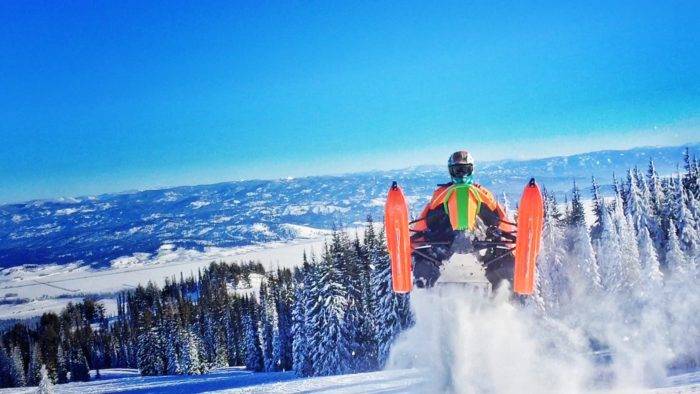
<point>97,229</point>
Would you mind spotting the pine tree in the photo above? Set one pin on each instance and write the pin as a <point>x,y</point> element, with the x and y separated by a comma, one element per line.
<point>365,332</point>
<point>150,351</point>
<point>5,368</point>
<point>347,254</point>
<point>45,385</point>
<point>651,277</point>
<point>676,261</point>
<point>582,265</point>
<point>687,229</point>
<point>79,370</point>
<point>268,328</point>
<point>609,256</point>
<point>300,354</point>
<point>34,367</point>
<point>332,355</point>
<point>629,263</point>
<point>637,209</point>
<point>598,206</point>
<point>190,353</point>
<point>253,353</point>
<point>312,307</point>
<point>61,365</point>
<point>690,178</point>
<point>392,312</point>
<point>284,303</point>
<point>17,376</point>
<point>552,282</point>
<point>582,259</point>
<point>655,189</point>
<point>172,353</point>
<point>577,213</point>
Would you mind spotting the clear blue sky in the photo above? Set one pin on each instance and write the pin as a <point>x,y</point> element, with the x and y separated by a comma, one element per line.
<point>106,96</point>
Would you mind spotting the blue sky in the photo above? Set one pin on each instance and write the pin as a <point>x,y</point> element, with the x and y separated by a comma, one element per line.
<point>108,96</point>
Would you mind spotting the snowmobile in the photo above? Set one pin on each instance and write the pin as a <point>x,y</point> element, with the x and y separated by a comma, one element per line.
<point>466,265</point>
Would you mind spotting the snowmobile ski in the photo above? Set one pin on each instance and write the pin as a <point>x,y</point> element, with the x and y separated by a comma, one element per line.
<point>398,240</point>
<point>527,243</point>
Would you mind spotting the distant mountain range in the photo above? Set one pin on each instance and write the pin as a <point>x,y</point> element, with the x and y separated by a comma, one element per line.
<point>97,229</point>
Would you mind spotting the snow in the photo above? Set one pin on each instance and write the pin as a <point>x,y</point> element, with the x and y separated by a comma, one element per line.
<point>41,285</point>
<point>199,204</point>
<point>41,306</point>
<point>67,211</point>
<point>18,218</point>
<point>239,381</point>
<point>304,232</point>
<point>261,228</point>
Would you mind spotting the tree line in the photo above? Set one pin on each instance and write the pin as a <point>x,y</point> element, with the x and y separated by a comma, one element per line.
<point>634,270</point>
<point>334,314</point>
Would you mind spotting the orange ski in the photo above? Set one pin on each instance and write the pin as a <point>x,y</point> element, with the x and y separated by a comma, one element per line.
<point>398,240</point>
<point>527,244</point>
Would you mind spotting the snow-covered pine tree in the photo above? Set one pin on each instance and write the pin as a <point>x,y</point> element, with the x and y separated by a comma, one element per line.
<point>365,332</point>
<point>173,349</point>
<point>61,365</point>
<point>346,253</point>
<point>284,302</point>
<point>392,312</point>
<point>5,363</point>
<point>582,261</point>
<point>34,368</point>
<point>150,353</point>
<point>190,356</point>
<point>656,193</point>
<point>609,256</point>
<point>268,329</point>
<point>300,355</point>
<point>45,384</point>
<point>676,262</point>
<point>577,211</point>
<point>552,282</point>
<point>598,206</point>
<point>637,210</point>
<point>687,229</point>
<point>253,353</point>
<point>232,332</point>
<point>312,285</point>
<point>690,178</point>
<point>669,207</point>
<point>332,354</point>
<point>79,369</point>
<point>651,276</point>
<point>16,369</point>
<point>627,242</point>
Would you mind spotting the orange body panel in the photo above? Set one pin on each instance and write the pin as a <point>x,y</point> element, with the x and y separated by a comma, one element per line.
<point>398,240</point>
<point>527,245</point>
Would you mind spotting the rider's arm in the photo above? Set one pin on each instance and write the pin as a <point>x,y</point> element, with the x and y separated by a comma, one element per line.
<point>492,213</point>
<point>421,223</point>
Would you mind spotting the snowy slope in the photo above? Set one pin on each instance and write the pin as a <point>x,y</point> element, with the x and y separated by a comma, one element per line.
<point>237,380</point>
<point>98,229</point>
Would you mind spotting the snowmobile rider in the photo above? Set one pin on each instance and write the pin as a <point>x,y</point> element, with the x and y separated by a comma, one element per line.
<point>452,210</point>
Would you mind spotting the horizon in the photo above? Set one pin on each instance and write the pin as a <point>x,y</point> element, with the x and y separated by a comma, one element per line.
<point>105,97</point>
<point>340,174</point>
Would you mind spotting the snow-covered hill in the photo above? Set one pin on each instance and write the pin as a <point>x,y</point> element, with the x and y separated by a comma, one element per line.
<point>97,229</point>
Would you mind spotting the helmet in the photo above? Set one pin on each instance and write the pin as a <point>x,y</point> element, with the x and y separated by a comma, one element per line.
<point>460,164</point>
